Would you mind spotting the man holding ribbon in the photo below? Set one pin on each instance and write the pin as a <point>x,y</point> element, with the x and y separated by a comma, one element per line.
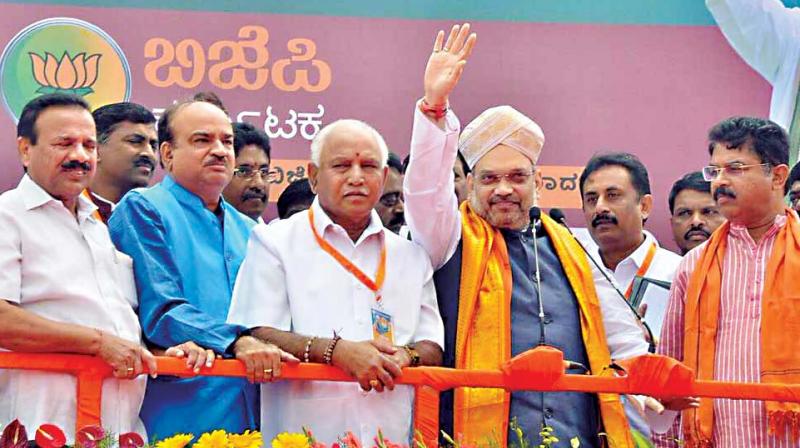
<point>733,308</point>
<point>331,285</point>
<point>503,286</point>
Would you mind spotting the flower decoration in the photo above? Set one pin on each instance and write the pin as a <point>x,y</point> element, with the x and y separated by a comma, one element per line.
<point>74,75</point>
<point>50,436</point>
<point>176,441</point>
<point>291,440</point>
<point>213,439</point>
<point>247,439</point>
<point>89,436</point>
<point>130,440</point>
<point>14,436</point>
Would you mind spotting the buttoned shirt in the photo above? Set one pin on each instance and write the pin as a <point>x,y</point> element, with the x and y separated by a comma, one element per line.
<point>289,282</point>
<point>185,262</point>
<point>66,270</point>
<point>435,222</point>
<point>737,423</point>
<point>662,267</point>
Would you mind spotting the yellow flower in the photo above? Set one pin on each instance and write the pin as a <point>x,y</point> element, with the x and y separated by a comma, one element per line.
<point>176,441</point>
<point>290,440</point>
<point>247,439</point>
<point>214,439</point>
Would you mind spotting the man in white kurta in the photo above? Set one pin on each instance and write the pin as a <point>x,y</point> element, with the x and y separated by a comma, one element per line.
<point>289,282</point>
<point>64,288</point>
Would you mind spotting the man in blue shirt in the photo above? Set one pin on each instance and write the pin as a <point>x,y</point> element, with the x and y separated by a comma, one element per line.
<point>187,244</point>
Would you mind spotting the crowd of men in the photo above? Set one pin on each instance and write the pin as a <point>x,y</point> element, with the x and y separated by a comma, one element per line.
<point>376,264</point>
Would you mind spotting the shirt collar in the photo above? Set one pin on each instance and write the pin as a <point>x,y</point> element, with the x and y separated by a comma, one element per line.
<point>640,253</point>
<point>740,231</point>
<point>322,222</point>
<point>97,197</point>
<point>34,196</point>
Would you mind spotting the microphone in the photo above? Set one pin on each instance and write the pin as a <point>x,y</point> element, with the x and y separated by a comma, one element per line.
<point>558,216</point>
<point>535,214</point>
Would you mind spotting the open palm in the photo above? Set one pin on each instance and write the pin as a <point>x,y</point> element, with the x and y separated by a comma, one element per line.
<point>447,62</point>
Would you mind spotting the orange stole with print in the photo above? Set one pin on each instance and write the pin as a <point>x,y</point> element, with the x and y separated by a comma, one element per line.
<point>484,309</point>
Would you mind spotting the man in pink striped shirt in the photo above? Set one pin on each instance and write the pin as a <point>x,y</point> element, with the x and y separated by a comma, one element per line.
<point>748,169</point>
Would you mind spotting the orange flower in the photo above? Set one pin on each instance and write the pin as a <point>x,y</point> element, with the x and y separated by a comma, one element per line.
<point>71,75</point>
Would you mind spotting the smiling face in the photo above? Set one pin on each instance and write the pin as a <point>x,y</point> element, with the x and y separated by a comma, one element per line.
<point>349,178</point>
<point>200,156</point>
<point>503,187</point>
<point>64,158</point>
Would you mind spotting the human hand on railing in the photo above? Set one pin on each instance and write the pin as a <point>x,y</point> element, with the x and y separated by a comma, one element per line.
<point>196,356</point>
<point>371,366</point>
<point>396,354</point>
<point>127,359</point>
<point>261,359</point>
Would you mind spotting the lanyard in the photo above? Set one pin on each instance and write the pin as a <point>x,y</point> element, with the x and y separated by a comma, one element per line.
<point>642,269</point>
<point>380,274</point>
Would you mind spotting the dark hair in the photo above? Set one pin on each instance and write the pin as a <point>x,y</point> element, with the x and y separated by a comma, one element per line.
<point>108,117</point>
<point>395,163</point>
<point>692,181</point>
<point>634,166</point>
<point>794,176</point>
<point>26,127</point>
<point>463,161</point>
<point>246,134</point>
<point>296,192</point>
<point>768,140</point>
<point>210,97</point>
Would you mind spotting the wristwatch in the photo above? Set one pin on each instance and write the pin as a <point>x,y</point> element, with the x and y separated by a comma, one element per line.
<point>413,354</point>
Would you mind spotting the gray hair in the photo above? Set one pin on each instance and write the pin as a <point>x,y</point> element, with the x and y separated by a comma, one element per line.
<point>319,141</point>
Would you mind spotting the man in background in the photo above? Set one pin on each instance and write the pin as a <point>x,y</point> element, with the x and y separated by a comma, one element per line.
<point>695,214</point>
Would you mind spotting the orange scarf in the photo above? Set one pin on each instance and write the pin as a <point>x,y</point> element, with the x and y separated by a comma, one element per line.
<point>484,309</point>
<point>780,312</point>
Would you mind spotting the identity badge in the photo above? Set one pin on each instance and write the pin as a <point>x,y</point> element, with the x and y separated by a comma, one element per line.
<point>382,327</point>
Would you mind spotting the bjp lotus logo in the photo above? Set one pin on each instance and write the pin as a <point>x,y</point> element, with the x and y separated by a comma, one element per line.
<point>69,75</point>
<point>63,55</point>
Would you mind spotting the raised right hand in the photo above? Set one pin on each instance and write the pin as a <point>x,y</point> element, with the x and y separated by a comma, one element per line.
<point>366,363</point>
<point>125,357</point>
<point>446,63</point>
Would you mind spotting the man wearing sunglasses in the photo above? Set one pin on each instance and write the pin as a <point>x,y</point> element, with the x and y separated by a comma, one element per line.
<point>733,307</point>
<point>248,190</point>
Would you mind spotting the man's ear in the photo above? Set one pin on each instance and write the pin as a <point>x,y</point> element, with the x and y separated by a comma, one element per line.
<point>539,184</point>
<point>166,152</point>
<point>780,174</point>
<point>313,172</point>
<point>646,206</point>
<point>24,150</point>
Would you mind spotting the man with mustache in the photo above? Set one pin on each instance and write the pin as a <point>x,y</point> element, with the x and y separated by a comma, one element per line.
<point>63,287</point>
<point>332,285</point>
<point>390,205</point>
<point>248,190</point>
<point>487,266</point>
<point>126,145</point>
<point>187,243</point>
<point>733,311</point>
<point>695,214</point>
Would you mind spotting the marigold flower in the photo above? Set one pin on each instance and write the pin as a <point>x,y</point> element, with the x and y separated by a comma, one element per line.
<point>213,439</point>
<point>247,439</point>
<point>290,440</point>
<point>176,441</point>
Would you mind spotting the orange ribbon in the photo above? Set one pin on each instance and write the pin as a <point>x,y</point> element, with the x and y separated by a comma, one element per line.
<point>643,268</point>
<point>380,274</point>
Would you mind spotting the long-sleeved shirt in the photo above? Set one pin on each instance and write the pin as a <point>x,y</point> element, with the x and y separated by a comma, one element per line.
<point>186,258</point>
<point>766,34</point>
<point>737,423</point>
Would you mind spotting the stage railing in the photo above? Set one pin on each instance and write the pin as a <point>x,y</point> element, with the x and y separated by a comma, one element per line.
<point>539,369</point>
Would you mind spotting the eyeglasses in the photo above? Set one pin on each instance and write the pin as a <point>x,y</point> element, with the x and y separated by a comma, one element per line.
<point>391,199</point>
<point>734,169</point>
<point>514,177</point>
<point>248,172</point>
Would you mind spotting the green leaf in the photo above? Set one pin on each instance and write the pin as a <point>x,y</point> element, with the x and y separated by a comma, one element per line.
<point>640,441</point>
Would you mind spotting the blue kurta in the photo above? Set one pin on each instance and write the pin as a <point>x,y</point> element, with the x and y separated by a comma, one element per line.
<point>571,414</point>
<point>185,260</point>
